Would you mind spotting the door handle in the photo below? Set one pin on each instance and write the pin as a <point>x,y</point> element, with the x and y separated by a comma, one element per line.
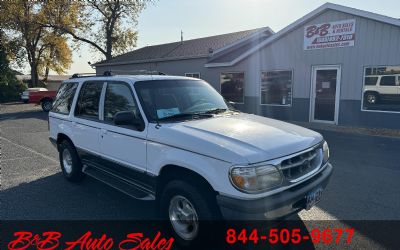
<point>103,132</point>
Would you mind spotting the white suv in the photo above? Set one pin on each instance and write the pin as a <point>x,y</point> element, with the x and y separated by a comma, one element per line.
<point>176,140</point>
<point>381,88</point>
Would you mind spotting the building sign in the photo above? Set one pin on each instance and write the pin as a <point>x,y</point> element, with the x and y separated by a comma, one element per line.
<point>330,35</point>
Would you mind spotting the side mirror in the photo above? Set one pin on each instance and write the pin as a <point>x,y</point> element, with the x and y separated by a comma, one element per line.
<point>128,118</point>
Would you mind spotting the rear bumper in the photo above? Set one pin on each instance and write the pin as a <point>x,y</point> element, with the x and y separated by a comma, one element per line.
<point>276,206</point>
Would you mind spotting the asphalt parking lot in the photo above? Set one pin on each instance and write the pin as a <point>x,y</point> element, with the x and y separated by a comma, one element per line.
<point>365,184</point>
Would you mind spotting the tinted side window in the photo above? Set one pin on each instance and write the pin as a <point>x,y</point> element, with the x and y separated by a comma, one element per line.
<point>118,98</point>
<point>371,80</point>
<point>88,101</point>
<point>64,98</point>
<point>388,81</point>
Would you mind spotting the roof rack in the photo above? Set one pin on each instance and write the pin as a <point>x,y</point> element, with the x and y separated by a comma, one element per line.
<point>79,75</point>
<point>122,72</point>
<point>133,72</point>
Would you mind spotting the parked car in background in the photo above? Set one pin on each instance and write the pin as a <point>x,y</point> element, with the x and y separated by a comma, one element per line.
<point>40,96</point>
<point>383,87</point>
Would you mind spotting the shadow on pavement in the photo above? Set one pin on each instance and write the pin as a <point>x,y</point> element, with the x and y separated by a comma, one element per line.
<point>37,114</point>
<point>54,198</point>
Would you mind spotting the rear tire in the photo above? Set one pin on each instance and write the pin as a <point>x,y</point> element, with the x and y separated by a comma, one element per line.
<point>70,163</point>
<point>189,213</point>
<point>47,104</point>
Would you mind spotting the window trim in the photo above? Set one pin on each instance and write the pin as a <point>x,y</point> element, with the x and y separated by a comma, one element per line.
<point>363,86</point>
<point>244,84</point>
<point>291,89</point>
<point>192,73</point>
<point>103,99</point>
<point>77,101</point>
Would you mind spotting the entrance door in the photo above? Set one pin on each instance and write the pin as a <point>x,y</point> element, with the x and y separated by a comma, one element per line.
<point>325,91</point>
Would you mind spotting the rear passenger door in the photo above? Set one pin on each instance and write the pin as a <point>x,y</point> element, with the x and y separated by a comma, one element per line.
<point>86,120</point>
<point>388,86</point>
<point>122,146</point>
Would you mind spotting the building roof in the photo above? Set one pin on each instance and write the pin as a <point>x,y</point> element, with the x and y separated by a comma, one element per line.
<point>301,21</point>
<point>50,78</point>
<point>195,48</point>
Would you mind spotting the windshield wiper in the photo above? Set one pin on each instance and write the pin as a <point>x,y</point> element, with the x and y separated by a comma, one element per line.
<point>214,111</point>
<point>185,115</point>
<point>219,110</point>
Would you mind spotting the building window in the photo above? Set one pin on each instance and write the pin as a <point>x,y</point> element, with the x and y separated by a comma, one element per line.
<point>276,87</point>
<point>381,89</point>
<point>194,75</point>
<point>232,86</point>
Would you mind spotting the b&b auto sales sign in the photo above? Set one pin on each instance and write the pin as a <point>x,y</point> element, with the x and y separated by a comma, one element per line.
<point>330,35</point>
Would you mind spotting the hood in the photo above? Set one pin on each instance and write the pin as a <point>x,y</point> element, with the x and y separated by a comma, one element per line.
<point>237,138</point>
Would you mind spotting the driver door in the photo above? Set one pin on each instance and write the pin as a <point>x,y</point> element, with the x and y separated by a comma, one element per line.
<point>124,146</point>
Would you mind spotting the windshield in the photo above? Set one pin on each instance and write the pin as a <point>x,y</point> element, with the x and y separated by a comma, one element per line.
<point>163,99</point>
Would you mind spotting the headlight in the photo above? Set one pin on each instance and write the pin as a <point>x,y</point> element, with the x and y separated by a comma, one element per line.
<point>255,179</point>
<point>325,149</point>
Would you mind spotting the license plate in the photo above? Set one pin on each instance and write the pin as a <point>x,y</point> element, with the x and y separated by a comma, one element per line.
<point>313,198</point>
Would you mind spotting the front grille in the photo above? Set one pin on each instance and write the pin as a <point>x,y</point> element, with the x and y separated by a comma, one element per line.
<point>302,164</point>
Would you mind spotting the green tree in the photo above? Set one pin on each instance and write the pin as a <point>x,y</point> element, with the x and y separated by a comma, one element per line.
<point>43,48</point>
<point>108,26</point>
<point>10,87</point>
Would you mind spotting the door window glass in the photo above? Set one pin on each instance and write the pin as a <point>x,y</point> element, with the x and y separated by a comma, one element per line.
<point>325,94</point>
<point>118,98</point>
<point>89,99</point>
<point>388,81</point>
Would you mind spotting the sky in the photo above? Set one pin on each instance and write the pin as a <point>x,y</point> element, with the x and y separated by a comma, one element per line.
<point>163,21</point>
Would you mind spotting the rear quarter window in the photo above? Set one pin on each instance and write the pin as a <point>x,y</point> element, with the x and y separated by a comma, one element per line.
<point>65,95</point>
<point>371,80</point>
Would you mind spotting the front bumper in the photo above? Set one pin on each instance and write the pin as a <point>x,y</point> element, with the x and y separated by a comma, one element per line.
<point>276,206</point>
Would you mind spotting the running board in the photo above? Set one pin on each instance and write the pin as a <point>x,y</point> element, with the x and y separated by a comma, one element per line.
<point>123,185</point>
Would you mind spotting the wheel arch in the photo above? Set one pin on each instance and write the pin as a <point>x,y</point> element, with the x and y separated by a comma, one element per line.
<point>61,137</point>
<point>372,92</point>
<point>175,172</point>
<point>46,99</point>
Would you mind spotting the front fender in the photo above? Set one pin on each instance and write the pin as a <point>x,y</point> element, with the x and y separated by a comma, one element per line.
<point>215,171</point>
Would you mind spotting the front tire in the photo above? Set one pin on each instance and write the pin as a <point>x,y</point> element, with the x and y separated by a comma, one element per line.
<point>188,211</point>
<point>47,105</point>
<point>372,98</point>
<point>70,163</point>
